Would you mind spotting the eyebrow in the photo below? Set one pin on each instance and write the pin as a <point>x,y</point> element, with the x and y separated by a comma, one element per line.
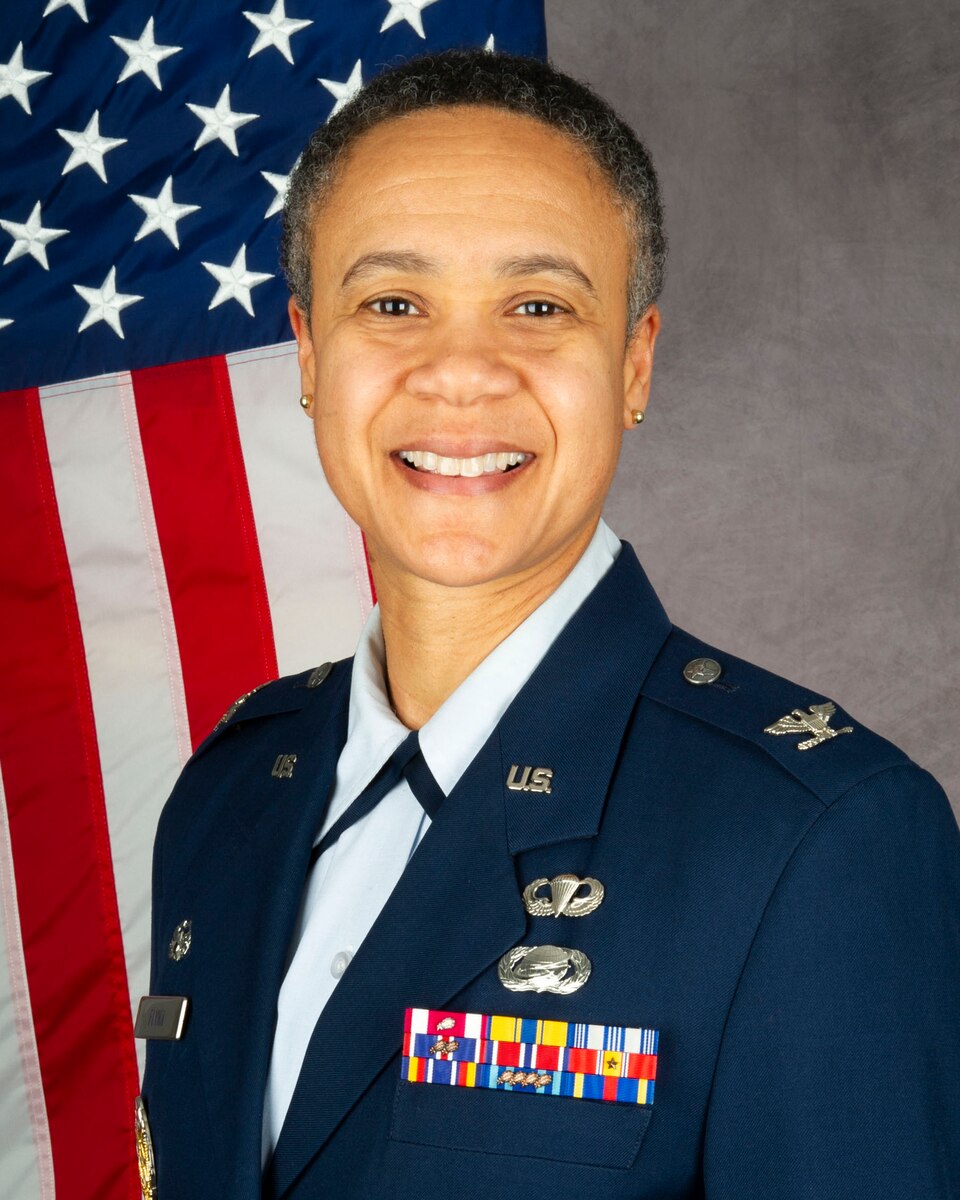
<point>389,260</point>
<point>506,268</point>
<point>540,264</point>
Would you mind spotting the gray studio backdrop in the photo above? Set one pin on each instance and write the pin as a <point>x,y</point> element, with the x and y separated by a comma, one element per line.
<point>794,493</point>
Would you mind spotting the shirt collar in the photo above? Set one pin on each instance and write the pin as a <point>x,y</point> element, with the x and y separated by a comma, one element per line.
<point>454,734</point>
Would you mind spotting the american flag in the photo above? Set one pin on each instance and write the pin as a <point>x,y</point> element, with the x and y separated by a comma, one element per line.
<point>167,540</point>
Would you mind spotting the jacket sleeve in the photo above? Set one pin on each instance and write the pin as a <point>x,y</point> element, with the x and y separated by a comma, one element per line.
<point>839,1068</point>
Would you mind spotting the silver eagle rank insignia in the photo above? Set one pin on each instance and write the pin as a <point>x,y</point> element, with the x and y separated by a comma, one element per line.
<point>816,721</point>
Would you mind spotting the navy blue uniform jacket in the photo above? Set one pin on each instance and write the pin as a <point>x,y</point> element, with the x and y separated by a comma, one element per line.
<point>788,920</point>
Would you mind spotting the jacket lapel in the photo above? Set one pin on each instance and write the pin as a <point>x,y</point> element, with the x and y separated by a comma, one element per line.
<point>569,717</point>
<point>461,872</point>
<point>246,914</point>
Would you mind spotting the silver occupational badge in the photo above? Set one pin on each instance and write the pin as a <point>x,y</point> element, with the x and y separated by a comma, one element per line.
<point>181,941</point>
<point>815,722</point>
<point>319,674</point>
<point>236,705</point>
<point>566,896</point>
<point>145,1159</point>
<point>544,969</point>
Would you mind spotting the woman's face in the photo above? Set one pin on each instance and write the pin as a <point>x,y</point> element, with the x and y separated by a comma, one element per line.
<point>469,285</point>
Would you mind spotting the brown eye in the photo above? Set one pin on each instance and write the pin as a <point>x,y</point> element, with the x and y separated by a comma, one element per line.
<point>539,308</point>
<point>393,306</point>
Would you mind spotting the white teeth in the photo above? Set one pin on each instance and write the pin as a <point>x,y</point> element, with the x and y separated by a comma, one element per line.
<point>470,468</point>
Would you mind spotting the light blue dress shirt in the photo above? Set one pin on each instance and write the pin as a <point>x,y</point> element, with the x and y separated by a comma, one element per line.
<point>352,880</point>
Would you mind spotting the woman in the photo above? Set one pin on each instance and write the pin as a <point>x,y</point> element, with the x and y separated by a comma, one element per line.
<point>611,861</point>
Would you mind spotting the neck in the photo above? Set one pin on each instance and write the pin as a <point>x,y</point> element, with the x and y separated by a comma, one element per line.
<point>435,636</point>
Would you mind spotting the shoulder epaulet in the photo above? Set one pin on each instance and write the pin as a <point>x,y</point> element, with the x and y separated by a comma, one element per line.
<point>808,734</point>
<point>286,694</point>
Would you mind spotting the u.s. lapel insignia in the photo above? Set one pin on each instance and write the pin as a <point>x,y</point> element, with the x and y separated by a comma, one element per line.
<point>145,1160</point>
<point>181,941</point>
<point>544,969</point>
<point>530,779</point>
<point>566,897</point>
<point>527,1054</point>
<point>283,766</point>
<point>816,721</point>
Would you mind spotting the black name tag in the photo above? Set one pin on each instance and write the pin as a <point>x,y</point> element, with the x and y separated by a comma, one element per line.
<point>161,1017</point>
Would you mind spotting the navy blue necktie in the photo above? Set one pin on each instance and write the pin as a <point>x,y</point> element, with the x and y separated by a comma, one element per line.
<point>406,762</point>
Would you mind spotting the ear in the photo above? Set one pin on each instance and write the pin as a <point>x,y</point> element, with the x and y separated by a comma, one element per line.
<point>305,351</point>
<point>638,365</point>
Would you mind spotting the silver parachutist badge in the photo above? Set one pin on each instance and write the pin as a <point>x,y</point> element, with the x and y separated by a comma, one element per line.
<point>566,896</point>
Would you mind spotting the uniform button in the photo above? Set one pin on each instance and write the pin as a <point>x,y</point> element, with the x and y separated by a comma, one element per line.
<point>702,670</point>
<point>341,960</point>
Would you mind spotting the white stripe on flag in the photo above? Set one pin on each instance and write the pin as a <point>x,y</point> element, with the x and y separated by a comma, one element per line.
<point>27,1153</point>
<point>128,631</point>
<point>319,594</point>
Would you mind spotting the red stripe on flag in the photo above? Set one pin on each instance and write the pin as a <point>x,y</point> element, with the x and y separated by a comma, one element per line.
<point>205,523</point>
<point>58,831</point>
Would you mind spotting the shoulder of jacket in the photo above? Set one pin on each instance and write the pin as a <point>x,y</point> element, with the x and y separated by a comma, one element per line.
<point>808,734</point>
<point>289,693</point>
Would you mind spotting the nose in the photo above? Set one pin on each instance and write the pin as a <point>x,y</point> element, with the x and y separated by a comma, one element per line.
<point>462,366</point>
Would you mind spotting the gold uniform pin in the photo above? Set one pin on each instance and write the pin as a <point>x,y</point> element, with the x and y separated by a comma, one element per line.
<point>145,1160</point>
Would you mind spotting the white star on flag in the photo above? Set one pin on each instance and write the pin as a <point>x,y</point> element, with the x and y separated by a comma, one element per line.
<point>78,6</point>
<point>5,321</point>
<point>31,238</point>
<point>163,213</point>
<point>221,122</point>
<point>89,147</point>
<point>144,55</point>
<point>279,184</point>
<point>105,303</point>
<point>406,10</point>
<point>488,45</point>
<point>235,281</point>
<point>344,92</point>
<point>276,29</point>
<point>15,78</point>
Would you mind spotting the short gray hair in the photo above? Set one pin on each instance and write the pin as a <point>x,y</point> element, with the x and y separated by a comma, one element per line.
<point>520,85</point>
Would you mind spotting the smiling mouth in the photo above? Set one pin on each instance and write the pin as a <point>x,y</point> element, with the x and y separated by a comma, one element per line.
<point>483,464</point>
